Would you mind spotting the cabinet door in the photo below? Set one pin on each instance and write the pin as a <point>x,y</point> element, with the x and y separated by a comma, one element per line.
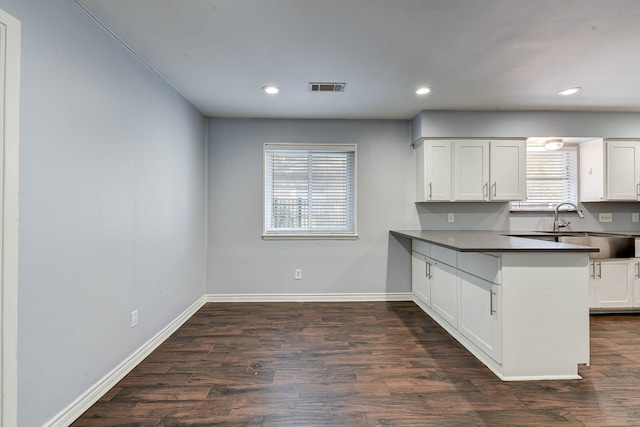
<point>471,170</point>
<point>433,170</point>
<point>635,266</point>
<point>591,171</point>
<point>444,288</point>
<point>480,314</point>
<point>593,302</point>
<point>613,283</point>
<point>508,170</point>
<point>623,170</point>
<point>420,278</point>
<point>438,163</point>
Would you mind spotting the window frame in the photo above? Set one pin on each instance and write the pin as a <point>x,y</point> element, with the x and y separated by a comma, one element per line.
<point>517,206</point>
<point>306,234</point>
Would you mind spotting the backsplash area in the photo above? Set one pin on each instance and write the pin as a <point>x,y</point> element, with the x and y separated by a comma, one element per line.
<point>497,216</point>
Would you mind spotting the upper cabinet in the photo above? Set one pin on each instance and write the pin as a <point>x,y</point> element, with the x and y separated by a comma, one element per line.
<point>610,171</point>
<point>470,170</point>
<point>433,170</point>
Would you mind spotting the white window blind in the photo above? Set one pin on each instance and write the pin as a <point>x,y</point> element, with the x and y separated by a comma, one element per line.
<point>552,178</point>
<point>309,190</point>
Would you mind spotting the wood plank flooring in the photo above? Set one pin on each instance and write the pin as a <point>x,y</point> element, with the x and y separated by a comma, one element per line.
<point>358,364</point>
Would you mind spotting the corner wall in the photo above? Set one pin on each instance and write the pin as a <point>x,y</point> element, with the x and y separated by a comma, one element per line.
<point>241,263</point>
<point>112,205</point>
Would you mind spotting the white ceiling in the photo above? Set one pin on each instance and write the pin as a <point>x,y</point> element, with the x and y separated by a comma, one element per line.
<point>476,54</point>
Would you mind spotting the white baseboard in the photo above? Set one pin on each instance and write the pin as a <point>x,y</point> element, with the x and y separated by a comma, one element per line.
<point>396,296</point>
<point>69,414</point>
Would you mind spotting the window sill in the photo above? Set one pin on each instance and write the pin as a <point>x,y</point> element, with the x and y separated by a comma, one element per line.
<point>318,236</point>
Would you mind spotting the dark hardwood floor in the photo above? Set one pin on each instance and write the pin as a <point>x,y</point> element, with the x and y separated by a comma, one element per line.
<point>358,364</point>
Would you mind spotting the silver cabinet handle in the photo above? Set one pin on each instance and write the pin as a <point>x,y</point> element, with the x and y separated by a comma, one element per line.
<point>599,270</point>
<point>428,269</point>
<point>430,191</point>
<point>592,270</point>
<point>485,190</point>
<point>637,270</point>
<point>495,189</point>
<point>492,311</point>
<point>638,191</point>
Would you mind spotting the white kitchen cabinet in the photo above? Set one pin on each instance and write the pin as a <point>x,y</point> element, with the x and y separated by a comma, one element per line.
<point>591,169</point>
<point>623,170</point>
<point>421,277</point>
<point>611,283</point>
<point>523,314</point>
<point>635,274</point>
<point>480,307</point>
<point>609,171</point>
<point>445,290</point>
<point>470,170</point>
<point>433,170</point>
<point>508,161</point>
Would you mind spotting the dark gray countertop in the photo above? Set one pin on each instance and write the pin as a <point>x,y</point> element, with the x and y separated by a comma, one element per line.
<point>489,241</point>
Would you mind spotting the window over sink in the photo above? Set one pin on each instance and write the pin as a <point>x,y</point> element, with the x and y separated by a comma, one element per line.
<point>552,174</point>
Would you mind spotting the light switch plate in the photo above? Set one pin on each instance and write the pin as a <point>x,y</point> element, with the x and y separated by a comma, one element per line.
<point>450,217</point>
<point>635,217</point>
<point>605,217</point>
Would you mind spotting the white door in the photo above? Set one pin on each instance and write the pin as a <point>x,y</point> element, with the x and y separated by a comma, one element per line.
<point>635,264</point>
<point>613,283</point>
<point>471,170</point>
<point>438,164</point>
<point>444,288</point>
<point>480,314</point>
<point>420,278</point>
<point>508,165</point>
<point>623,170</point>
<point>9,127</point>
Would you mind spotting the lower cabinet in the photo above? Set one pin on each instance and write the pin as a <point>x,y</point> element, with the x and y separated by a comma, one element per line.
<point>524,315</point>
<point>611,283</point>
<point>444,283</point>
<point>636,282</point>
<point>479,314</point>
<point>421,277</point>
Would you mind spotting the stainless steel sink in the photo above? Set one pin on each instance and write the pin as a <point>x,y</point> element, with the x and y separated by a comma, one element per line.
<point>610,246</point>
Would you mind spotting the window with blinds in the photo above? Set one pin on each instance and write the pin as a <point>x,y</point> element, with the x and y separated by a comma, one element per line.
<point>552,178</point>
<point>309,191</point>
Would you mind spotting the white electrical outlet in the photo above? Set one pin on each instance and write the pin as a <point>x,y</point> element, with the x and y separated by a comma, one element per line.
<point>635,217</point>
<point>297,274</point>
<point>450,217</point>
<point>134,318</point>
<point>605,217</point>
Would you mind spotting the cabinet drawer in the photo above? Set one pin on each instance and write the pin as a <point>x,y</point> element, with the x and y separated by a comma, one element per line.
<point>421,247</point>
<point>444,255</point>
<point>484,266</point>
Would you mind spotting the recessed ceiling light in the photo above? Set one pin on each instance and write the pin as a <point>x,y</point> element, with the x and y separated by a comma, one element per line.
<point>271,90</point>
<point>423,91</point>
<point>570,91</point>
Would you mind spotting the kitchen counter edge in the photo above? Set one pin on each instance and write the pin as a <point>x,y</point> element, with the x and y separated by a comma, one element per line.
<point>488,241</point>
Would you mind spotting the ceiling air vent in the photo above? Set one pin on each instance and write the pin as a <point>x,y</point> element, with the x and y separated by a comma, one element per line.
<point>326,87</point>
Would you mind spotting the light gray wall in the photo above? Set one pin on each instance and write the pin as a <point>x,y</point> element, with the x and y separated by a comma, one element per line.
<point>240,262</point>
<point>112,211</point>
<point>495,124</point>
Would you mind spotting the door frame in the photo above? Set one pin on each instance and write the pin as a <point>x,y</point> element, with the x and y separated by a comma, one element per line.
<point>9,179</point>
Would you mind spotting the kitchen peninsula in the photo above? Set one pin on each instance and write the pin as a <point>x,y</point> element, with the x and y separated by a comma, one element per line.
<point>520,305</point>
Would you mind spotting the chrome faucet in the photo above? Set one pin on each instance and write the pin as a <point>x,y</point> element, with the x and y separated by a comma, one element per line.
<point>557,225</point>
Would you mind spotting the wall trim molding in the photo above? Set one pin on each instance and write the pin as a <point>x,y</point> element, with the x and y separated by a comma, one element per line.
<point>338,297</point>
<point>69,414</point>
